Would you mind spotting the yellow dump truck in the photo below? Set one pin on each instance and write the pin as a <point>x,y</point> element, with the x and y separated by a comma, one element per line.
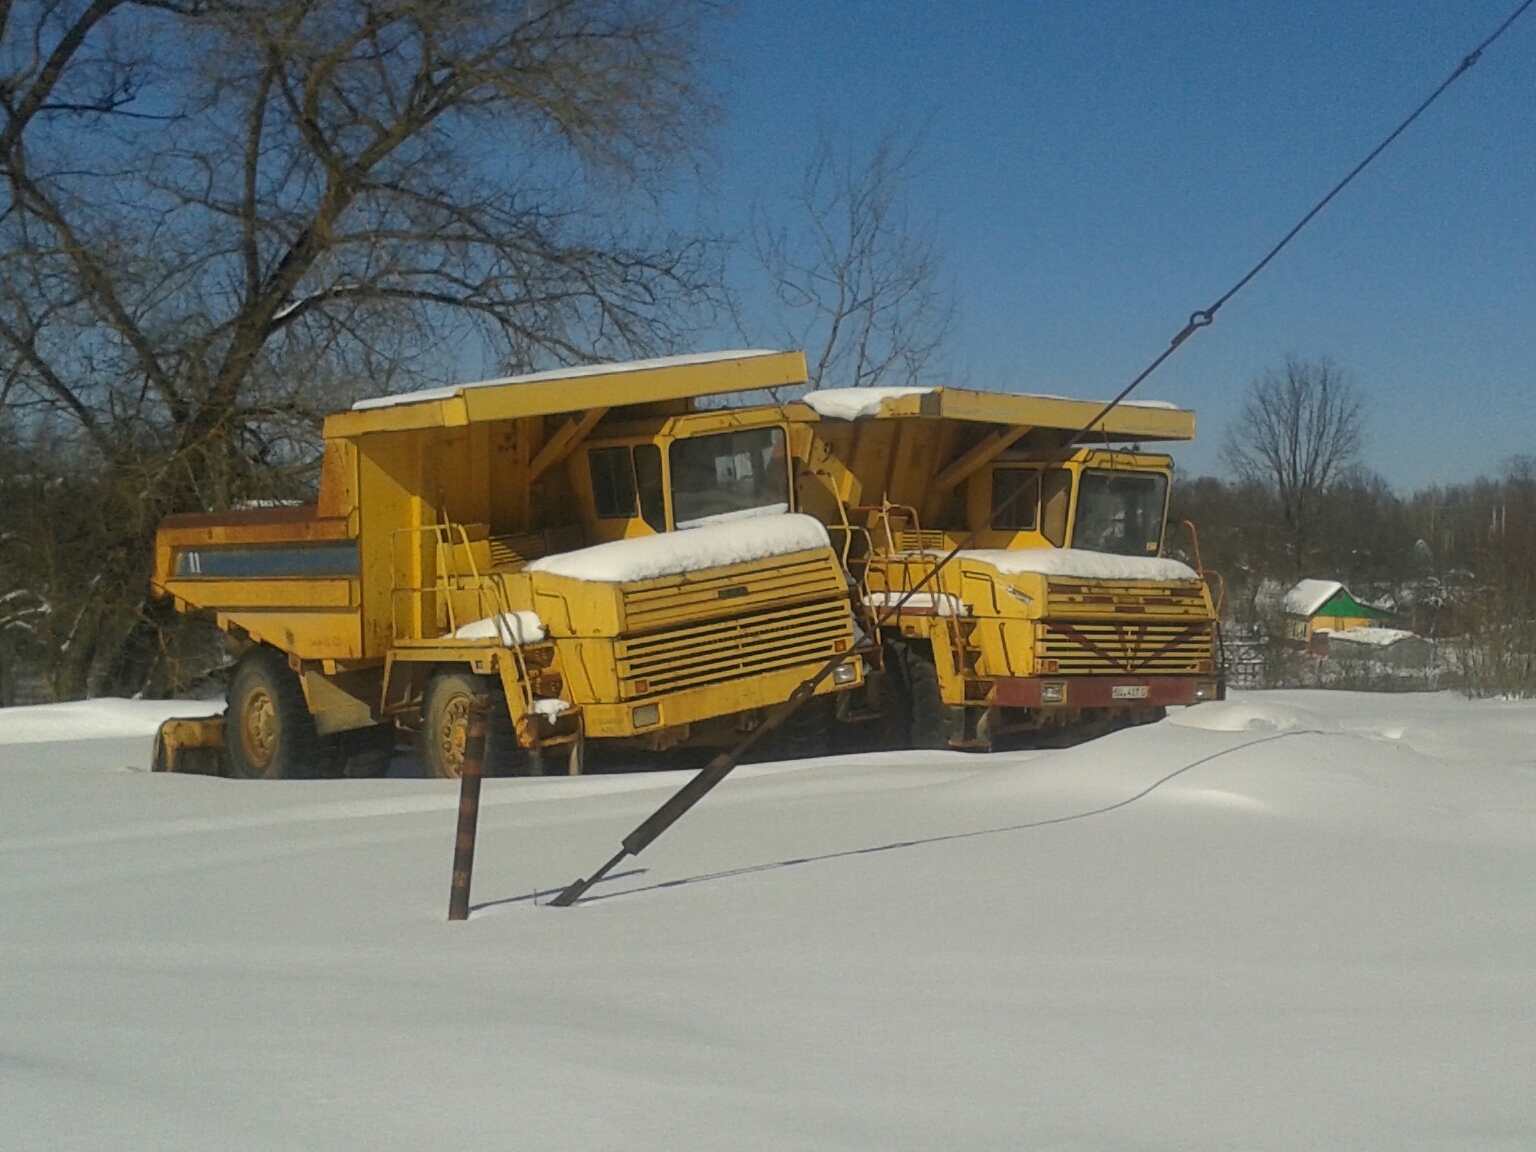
<point>1062,609</point>
<point>582,547</point>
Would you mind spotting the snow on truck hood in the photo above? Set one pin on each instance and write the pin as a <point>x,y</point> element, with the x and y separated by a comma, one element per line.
<point>1081,563</point>
<point>687,550</point>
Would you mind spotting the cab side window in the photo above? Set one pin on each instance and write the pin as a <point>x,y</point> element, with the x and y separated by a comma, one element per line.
<point>613,482</point>
<point>653,498</point>
<point>1015,498</point>
<point>1055,499</point>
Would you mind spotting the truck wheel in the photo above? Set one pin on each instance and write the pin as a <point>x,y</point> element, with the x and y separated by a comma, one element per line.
<point>445,716</point>
<point>806,734</point>
<point>930,724</point>
<point>365,752</point>
<point>912,709</point>
<point>269,733</point>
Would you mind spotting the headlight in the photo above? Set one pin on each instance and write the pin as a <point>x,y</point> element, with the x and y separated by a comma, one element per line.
<point>844,674</point>
<point>646,715</point>
<point>1053,692</point>
<point>1204,690</point>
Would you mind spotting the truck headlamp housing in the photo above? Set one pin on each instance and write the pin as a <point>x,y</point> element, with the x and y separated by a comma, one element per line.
<point>845,674</point>
<point>646,715</point>
<point>1053,692</point>
<point>1204,690</point>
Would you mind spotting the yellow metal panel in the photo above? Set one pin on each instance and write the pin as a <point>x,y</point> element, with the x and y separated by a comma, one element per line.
<point>978,455</point>
<point>1125,422</point>
<point>387,477</point>
<point>308,635</point>
<point>295,526</point>
<point>576,607</point>
<point>563,442</point>
<point>295,593</point>
<point>497,400</point>
<point>398,418</point>
<point>696,704</point>
<point>338,479</point>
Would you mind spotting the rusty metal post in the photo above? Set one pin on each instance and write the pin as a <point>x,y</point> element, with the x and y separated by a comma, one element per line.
<point>469,809</point>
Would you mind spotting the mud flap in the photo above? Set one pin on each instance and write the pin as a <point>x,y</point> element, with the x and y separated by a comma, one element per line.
<point>194,746</point>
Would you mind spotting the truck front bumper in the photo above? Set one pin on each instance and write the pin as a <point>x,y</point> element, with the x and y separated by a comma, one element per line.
<point>1104,691</point>
<point>764,690</point>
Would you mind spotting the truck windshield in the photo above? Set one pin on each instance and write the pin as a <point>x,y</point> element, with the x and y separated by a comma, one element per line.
<point>728,475</point>
<point>1120,512</point>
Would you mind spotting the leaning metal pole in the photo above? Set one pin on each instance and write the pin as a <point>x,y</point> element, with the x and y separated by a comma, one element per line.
<point>472,770</point>
<point>721,765</point>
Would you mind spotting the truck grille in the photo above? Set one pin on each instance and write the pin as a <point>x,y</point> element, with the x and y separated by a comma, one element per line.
<point>926,540</point>
<point>775,582</point>
<point>1097,648</point>
<point>744,645</point>
<point>1122,598</point>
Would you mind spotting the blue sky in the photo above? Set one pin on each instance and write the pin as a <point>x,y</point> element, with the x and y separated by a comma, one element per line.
<point>1100,169</point>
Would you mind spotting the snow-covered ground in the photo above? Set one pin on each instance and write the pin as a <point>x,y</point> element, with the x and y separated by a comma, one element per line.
<point>1297,920</point>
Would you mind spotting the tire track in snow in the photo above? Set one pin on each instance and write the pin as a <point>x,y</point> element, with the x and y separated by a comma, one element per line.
<point>917,843</point>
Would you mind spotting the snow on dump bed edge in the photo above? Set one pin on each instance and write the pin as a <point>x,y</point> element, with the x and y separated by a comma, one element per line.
<point>689,550</point>
<point>571,373</point>
<point>1081,563</point>
<point>855,403</point>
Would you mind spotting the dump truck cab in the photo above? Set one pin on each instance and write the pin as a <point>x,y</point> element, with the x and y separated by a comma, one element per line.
<point>580,548</point>
<point>1061,609</point>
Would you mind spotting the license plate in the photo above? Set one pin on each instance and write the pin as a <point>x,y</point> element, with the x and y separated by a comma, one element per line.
<point>1128,692</point>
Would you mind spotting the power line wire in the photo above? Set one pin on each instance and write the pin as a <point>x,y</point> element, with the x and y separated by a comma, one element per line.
<point>721,766</point>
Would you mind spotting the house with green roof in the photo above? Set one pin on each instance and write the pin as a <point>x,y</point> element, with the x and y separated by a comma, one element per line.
<point>1314,606</point>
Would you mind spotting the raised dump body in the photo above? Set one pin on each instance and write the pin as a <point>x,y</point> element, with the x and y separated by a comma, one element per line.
<point>578,547</point>
<point>1061,609</point>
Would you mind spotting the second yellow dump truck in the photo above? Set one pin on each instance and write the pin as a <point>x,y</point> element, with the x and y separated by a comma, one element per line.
<point>581,547</point>
<point>1061,610</point>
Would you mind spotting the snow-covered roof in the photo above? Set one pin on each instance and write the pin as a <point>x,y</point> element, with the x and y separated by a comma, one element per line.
<point>687,550</point>
<point>571,373</point>
<point>1081,563</point>
<point>1307,596</point>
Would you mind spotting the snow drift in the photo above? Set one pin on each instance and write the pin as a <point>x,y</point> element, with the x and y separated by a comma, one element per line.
<point>1310,934</point>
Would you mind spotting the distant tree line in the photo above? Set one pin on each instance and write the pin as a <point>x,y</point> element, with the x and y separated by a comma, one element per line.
<point>222,219</point>
<point>1454,562</point>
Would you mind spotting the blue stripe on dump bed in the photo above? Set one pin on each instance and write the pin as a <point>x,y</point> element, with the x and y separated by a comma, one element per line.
<point>323,558</point>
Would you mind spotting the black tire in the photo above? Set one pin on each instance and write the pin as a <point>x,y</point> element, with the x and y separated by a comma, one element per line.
<point>269,733</point>
<point>444,713</point>
<point>805,735</point>
<point>913,714</point>
<point>366,752</point>
<point>930,726</point>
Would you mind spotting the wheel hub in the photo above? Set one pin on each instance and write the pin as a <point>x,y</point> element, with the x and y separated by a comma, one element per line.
<point>452,733</point>
<point>258,727</point>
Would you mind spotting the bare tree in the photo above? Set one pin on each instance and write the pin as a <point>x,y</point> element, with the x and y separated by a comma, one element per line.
<point>856,275</point>
<point>1300,428</point>
<point>220,218</point>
